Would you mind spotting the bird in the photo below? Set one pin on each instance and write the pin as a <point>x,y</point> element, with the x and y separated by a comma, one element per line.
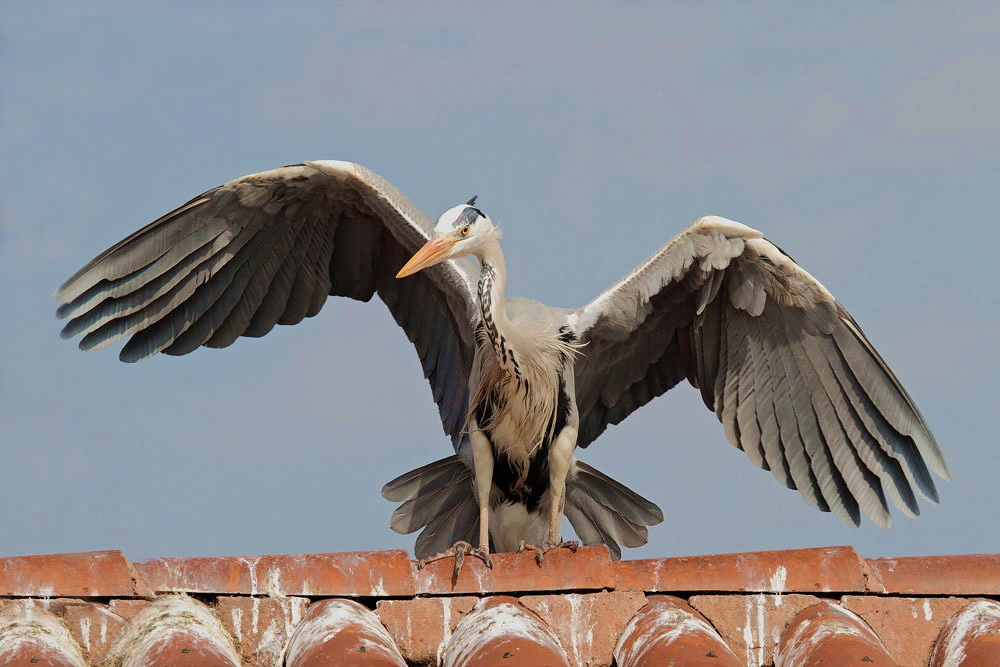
<point>521,386</point>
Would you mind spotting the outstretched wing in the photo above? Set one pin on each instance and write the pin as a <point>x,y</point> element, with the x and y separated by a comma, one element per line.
<point>784,366</point>
<point>268,249</point>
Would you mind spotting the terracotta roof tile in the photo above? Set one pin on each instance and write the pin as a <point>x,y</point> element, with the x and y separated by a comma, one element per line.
<point>93,626</point>
<point>261,626</point>
<point>562,570</point>
<point>971,637</point>
<point>577,609</point>
<point>909,627</point>
<point>423,627</point>
<point>975,574</point>
<point>828,634</point>
<point>826,569</point>
<point>500,632</point>
<point>174,631</point>
<point>668,631</point>
<point>595,620</point>
<point>352,574</point>
<point>341,632</point>
<point>751,624</point>
<point>90,574</point>
<point>30,635</point>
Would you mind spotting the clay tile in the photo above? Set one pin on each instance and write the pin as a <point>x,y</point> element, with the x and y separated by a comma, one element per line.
<point>90,574</point>
<point>30,635</point>
<point>587,569</point>
<point>668,631</point>
<point>352,574</point>
<point>422,627</point>
<point>174,630</point>
<point>587,625</point>
<point>261,626</point>
<point>975,574</point>
<point>341,632</point>
<point>825,569</point>
<point>501,633</point>
<point>971,637</point>
<point>827,634</point>
<point>93,626</point>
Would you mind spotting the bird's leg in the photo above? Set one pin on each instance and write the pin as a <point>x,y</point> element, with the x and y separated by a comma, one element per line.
<point>560,458</point>
<point>482,463</point>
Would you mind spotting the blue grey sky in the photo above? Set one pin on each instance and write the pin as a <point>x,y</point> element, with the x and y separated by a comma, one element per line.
<point>862,138</point>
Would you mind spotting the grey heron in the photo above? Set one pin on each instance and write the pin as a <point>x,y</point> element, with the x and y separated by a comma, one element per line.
<point>520,385</point>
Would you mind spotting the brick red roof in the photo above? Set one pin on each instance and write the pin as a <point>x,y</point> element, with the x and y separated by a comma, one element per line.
<point>794,608</point>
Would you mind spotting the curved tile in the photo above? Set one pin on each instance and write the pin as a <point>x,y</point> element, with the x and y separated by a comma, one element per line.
<point>30,635</point>
<point>971,637</point>
<point>501,633</point>
<point>668,631</point>
<point>828,634</point>
<point>174,630</point>
<point>341,632</point>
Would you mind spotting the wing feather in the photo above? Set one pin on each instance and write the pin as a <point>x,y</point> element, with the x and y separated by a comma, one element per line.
<point>270,248</point>
<point>789,373</point>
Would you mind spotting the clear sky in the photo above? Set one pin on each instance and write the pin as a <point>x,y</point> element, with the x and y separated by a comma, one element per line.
<point>862,138</point>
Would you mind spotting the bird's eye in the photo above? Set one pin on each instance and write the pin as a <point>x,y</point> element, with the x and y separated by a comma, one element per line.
<point>464,231</point>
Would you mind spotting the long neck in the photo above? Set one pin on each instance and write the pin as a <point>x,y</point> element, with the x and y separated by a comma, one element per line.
<point>492,285</point>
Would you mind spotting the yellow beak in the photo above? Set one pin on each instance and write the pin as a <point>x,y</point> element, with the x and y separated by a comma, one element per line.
<point>430,254</point>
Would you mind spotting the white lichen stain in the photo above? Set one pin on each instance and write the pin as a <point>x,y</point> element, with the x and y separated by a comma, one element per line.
<point>574,624</point>
<point>756,611</point>
<point>252,572</point>
<point>85,632</point>
<point>270,645</point>
<point>777,583</point>
<point>445,630</point>
<point>272,583</point>
<point>297,606</point>
<point>928,614</point>
<point>237,616</point>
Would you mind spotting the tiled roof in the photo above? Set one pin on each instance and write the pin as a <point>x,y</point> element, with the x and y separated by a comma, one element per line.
<point>797,608</point>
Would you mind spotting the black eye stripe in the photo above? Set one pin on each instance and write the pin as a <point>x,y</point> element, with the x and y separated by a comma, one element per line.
<point>467,217</point>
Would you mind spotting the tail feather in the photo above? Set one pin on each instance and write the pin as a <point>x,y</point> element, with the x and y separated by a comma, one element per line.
<point>604,511</point>
<point>422,509</point>
<point>459,522</point>
<point>411,484</point>
<point>439,498</point>
<point>588,530</point>
<point>614,494</point>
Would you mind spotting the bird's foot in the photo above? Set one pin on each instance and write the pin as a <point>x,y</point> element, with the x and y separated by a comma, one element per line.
<point>459,550</point>
<point>545,547</point>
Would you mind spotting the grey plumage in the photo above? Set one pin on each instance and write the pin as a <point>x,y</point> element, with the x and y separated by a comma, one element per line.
<point>792,378</point>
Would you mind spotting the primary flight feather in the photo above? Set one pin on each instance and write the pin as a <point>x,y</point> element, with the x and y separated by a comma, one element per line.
<point>520,385</point>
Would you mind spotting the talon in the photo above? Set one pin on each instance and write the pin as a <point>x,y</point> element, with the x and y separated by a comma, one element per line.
<point>541,550</point>
<point>458,551</point>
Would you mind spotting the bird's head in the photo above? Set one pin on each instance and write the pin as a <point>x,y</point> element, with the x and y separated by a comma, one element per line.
<point>461,230</point>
